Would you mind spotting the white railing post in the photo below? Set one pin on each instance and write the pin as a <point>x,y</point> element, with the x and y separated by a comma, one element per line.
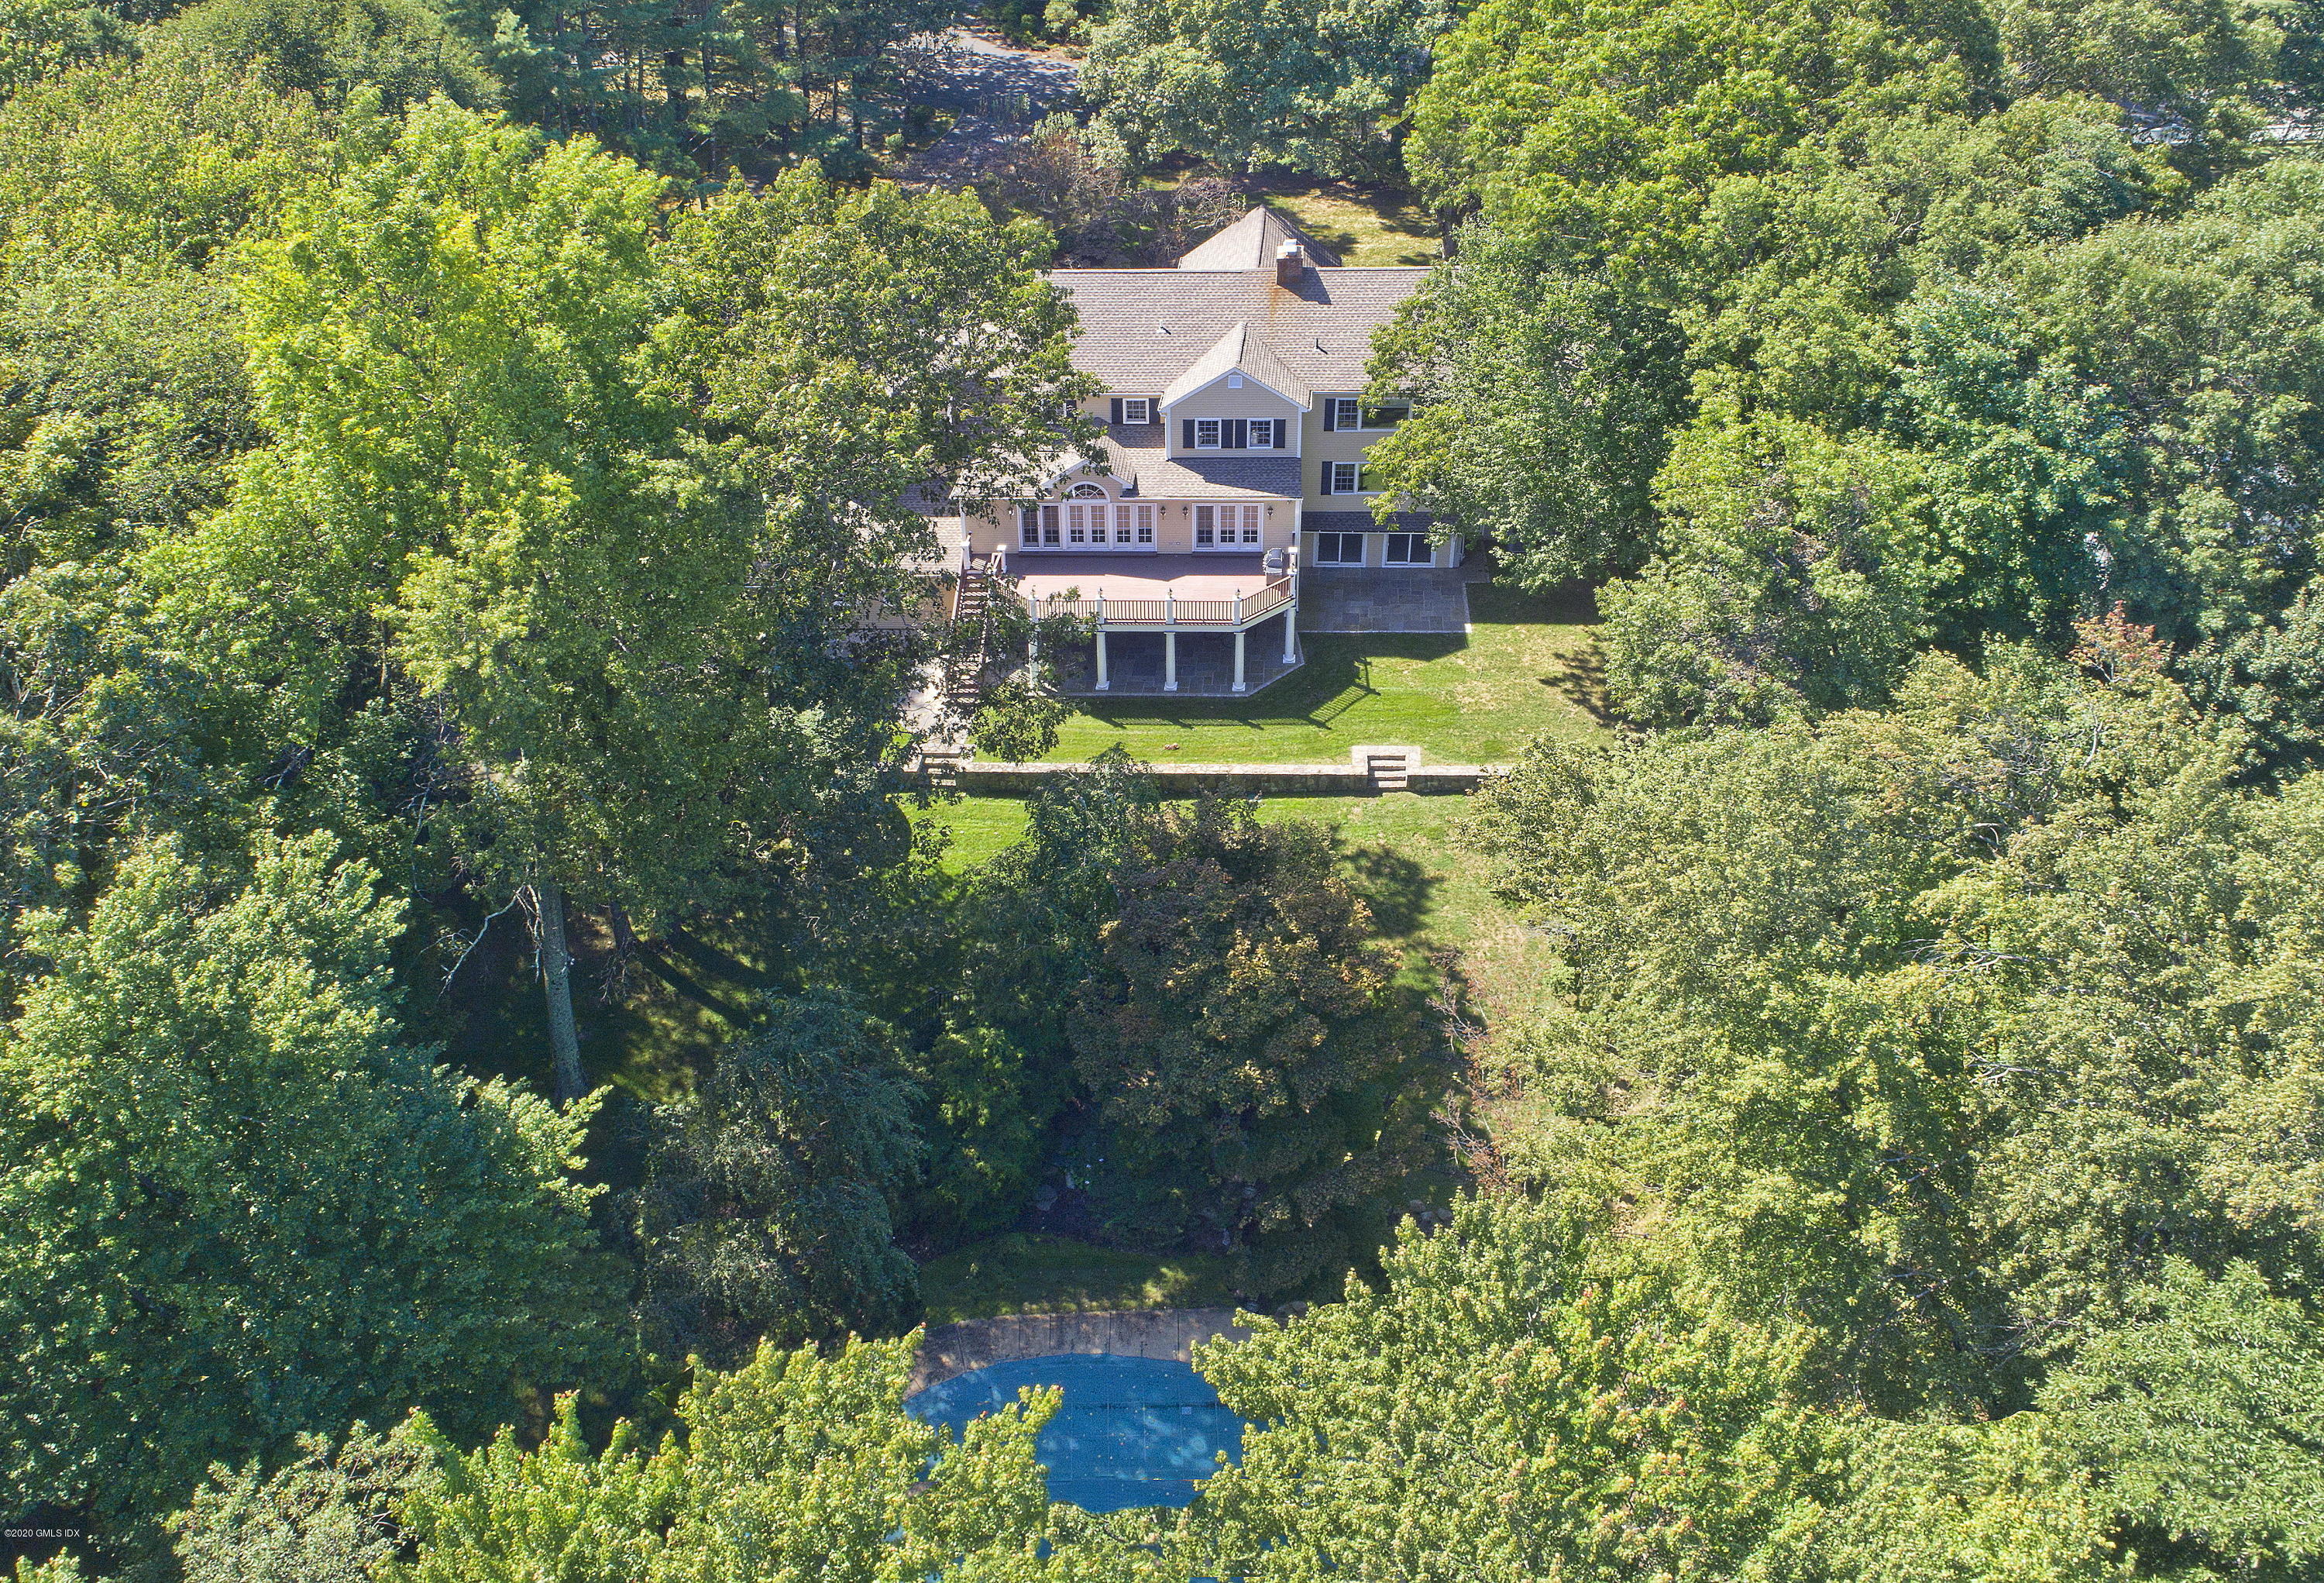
<point>1238,615</point>
<point>1169,606</point>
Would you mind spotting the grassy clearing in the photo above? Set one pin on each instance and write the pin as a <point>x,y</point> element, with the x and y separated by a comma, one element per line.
<point>1365,225</point>
<point>1527,669</point>
<point>1022,1274</point>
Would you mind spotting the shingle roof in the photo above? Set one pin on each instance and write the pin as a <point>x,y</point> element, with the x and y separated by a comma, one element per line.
<point>1252,242</point>
<point>1239,348</point>
<point>1141,329</point>
<point>1362,522</point>
<point>1138,457</point>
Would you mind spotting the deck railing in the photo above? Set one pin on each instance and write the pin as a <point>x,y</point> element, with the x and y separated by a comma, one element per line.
<point>1171,611</point>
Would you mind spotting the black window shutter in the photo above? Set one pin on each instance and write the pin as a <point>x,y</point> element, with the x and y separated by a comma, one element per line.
<point>1331,414</point>
<point>1116,419</point>
<point>1325,487</point>
<point>1275,435</point>
<point>1190,434</point>
<point>1241,439</point>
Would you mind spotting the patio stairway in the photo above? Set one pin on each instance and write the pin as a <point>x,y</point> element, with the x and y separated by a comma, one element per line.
<point>964,672</point>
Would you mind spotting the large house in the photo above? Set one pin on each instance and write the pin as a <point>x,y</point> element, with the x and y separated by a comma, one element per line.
<point>1233,460</point>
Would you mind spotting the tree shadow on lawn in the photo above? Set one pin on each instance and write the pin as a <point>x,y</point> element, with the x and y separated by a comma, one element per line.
<point>1581,681</point>
<point>1337,677</point>
<point>1398,889</point>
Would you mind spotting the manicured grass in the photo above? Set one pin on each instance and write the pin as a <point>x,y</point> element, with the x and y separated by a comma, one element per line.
<point>1525,672</point>
<point>980,827</point>
<point>1022,1274</point>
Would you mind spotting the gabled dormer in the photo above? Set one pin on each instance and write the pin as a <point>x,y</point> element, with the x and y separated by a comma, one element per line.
<point>1239,398</point>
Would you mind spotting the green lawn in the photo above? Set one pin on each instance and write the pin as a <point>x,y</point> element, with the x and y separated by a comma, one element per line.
<point>1365,225</point>
<point>980,827</point>
<point>1022,1274</point>
<point>1527,671</point>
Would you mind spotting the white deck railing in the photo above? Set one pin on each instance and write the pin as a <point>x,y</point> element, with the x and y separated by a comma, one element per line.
<point>1168,611</point>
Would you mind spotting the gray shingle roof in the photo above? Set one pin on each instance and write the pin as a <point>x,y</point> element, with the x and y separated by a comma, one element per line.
<point>1361,521</point>
<point>1141,329</point>
<point>1141,457</point>
<point>1239,348</point>
<point>1252,243</point>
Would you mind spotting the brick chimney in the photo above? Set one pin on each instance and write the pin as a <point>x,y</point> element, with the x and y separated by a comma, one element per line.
<point>1290,263</point>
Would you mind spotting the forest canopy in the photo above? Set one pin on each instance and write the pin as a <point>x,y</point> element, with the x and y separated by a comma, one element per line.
<point>492,1038</point>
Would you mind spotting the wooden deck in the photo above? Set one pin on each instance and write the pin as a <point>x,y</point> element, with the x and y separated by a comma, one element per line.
<point>1138,577</point>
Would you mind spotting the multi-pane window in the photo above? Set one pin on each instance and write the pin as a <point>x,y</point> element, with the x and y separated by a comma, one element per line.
<point>1349,412</point>
<point>1085,514</point>
<point>1408,549</point>
<point>1038,527</point>
<point>1086,521</point>
<point>1220,527</point>
<point>1137,409</point>
<point>1344,478</point>
<point>1210,433</point>
<point>1339,549</point>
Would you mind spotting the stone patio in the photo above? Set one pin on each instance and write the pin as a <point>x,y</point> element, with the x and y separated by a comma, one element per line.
<point>1360,599</point>
<point>1205,664</point>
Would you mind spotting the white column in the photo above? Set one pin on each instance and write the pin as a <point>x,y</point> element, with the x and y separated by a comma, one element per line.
<point>1169,662</point>
<point>1290,634</point>
<point>1102,684</point>
<point>1239,635</point>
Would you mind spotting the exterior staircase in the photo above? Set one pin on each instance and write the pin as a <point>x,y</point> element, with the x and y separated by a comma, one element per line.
<point>964,672</point>
<point>941,766</point>
<point>1390,768</point>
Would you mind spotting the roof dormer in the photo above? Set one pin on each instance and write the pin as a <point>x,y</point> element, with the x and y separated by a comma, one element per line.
<point>1239,353</point>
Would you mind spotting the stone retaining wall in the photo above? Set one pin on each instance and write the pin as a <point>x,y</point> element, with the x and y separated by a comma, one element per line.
<point>972,1343</point>
<point>980,778</point>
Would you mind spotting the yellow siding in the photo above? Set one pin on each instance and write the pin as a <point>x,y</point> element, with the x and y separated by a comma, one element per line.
<point>1215,399</point>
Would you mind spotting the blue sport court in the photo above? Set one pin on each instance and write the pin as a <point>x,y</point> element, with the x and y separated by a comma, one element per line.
<point>1132,1432</point>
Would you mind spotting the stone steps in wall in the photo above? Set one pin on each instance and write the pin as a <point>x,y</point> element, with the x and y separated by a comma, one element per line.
<point>1389,768</point>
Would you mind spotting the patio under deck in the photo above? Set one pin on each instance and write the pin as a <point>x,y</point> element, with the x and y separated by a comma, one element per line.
<point>1136,666</point>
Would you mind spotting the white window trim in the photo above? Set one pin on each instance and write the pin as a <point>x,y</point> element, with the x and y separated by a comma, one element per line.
<point>1356,404</point>
<point>1137,411</point>
<point>1124,527</point>
<point>1387,540</point>
<point>1230,521</point>
<point>1362,548</point>
<point>1356,488</point>
<point>1218,428</point>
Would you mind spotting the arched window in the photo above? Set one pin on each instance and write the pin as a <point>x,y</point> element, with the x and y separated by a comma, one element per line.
<point>1085,491</point>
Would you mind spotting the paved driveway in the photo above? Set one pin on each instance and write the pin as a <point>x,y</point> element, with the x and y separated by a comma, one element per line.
<point>1388,599</point>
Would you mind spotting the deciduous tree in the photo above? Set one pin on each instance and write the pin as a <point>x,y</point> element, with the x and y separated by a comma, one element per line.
<point>248,1208</point>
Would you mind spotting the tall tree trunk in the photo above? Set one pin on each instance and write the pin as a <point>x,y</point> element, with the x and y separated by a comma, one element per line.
<point>556,986</point>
